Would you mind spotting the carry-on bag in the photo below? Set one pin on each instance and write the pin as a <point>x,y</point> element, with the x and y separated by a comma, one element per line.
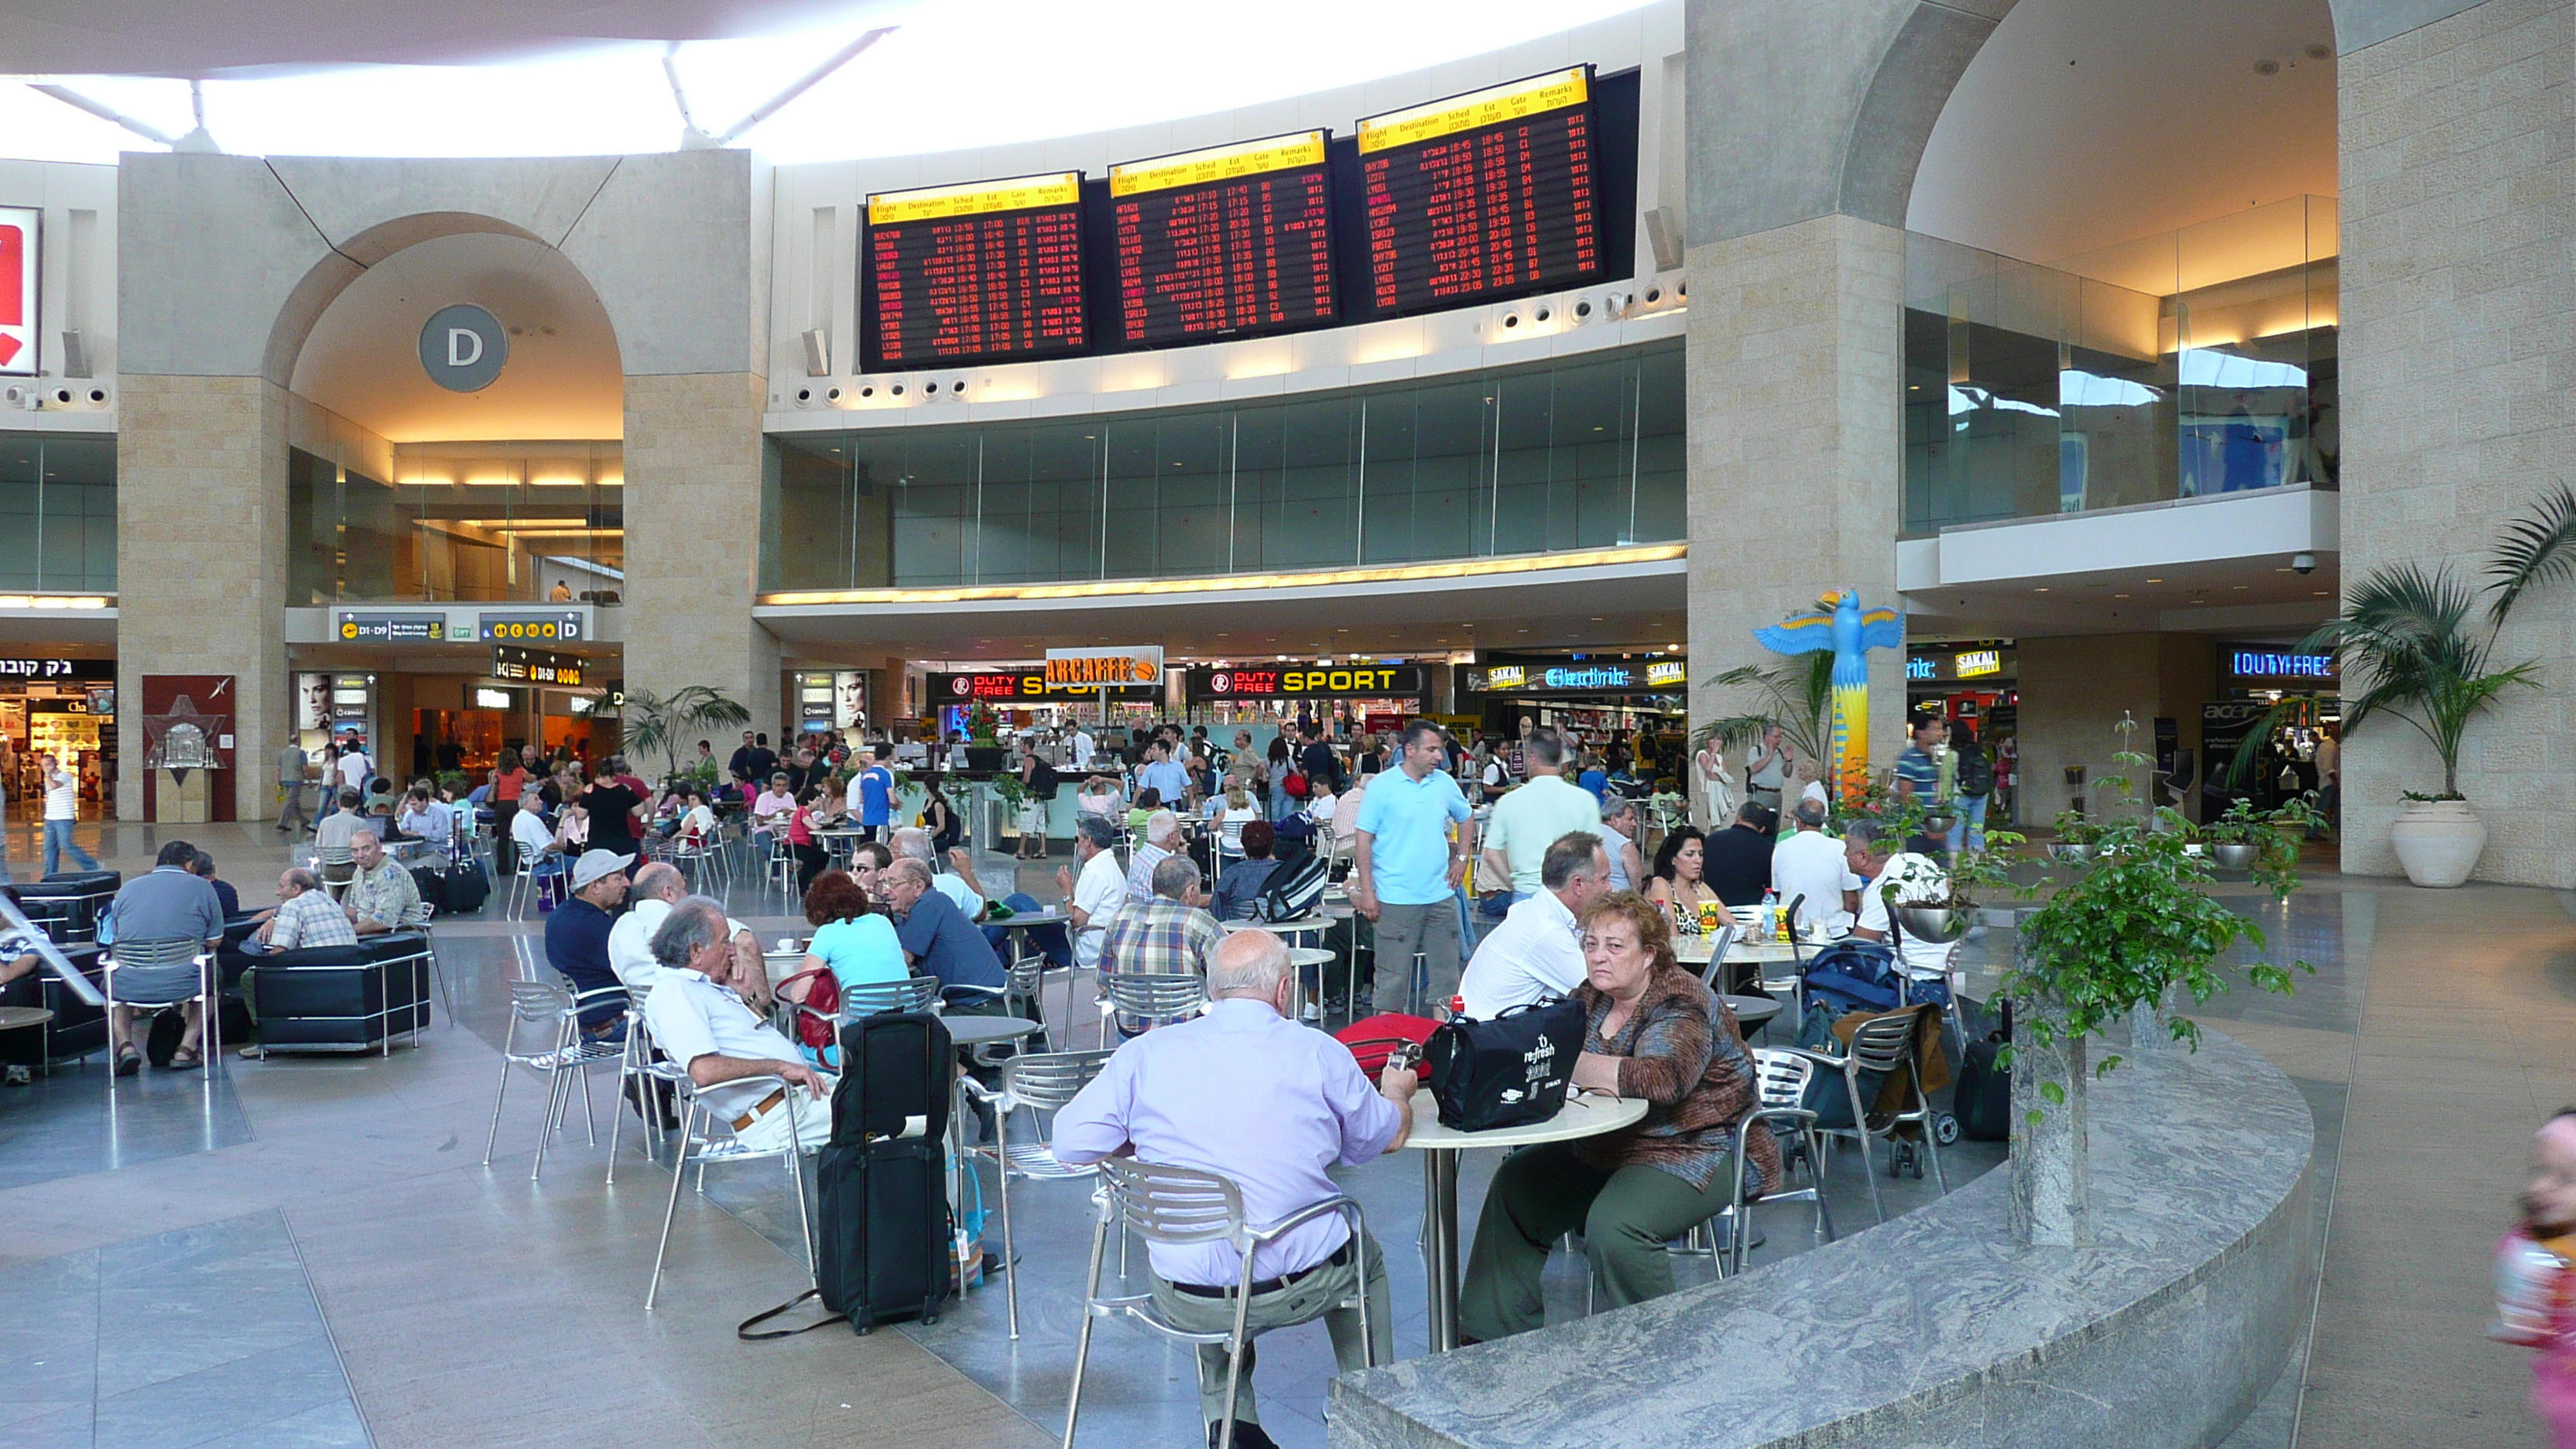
<point>1512,1070</point>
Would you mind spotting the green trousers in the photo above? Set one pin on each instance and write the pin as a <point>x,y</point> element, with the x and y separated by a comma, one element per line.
<point>1542,1193</point>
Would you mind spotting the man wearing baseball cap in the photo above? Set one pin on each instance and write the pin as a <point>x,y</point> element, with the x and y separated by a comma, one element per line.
<point>577,940</point>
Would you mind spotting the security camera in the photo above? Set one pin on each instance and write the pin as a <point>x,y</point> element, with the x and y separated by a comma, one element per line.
<point>2305,563</point>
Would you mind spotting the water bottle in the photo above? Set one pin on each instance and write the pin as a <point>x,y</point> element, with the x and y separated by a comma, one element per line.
<point>1770,914</point>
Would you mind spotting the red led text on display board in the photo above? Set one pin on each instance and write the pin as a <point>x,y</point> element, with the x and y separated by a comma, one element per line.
<point>988,270</point>
<point>1230,239</point>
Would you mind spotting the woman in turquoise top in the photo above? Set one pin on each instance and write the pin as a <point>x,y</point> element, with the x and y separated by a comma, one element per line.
<point>850,940</point>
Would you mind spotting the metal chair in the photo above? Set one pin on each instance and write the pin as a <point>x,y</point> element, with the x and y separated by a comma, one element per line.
<point>1041,1082</point>
<point>703,1152</point>
<point>783,866</point>
<point>1713,975</point>
<point>1154,1000</point>
<point>325,858</point>
<point>526,882</point>
<point>1180,1206</point>
<point>635,1069</point>
<point>155,970</point>
<point>1883,1045</point>
<point>1781,1078</point>
<point>913,993</point>
<point>552,1014</point>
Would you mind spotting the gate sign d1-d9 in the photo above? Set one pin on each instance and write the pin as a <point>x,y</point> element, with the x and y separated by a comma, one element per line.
<point>463,347</point>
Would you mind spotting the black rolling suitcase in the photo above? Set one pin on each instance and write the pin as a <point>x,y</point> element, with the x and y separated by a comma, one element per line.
<point>882,1249</point>
<point>1984,1093</point>
<point>467,888</point>
<point>431,883</point>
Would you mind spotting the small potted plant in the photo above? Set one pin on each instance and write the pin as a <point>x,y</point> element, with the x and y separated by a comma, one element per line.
<point>2078,840</point>
<point>1935,904</point>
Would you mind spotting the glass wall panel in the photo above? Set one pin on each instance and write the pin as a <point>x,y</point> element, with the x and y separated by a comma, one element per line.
<point>58,512</point>
<point>1578,454</point>
<point>2190,363</point>
<point>461,522</point>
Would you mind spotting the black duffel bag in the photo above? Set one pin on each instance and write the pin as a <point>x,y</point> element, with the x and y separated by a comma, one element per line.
<point>1512,1070</point>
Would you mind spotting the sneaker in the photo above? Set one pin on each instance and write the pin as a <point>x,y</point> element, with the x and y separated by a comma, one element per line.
<point>21,1076</point>
<point>1314,1011</point>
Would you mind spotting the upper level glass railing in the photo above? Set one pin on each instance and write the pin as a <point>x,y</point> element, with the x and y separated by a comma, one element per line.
<point>2192,363</point>
<point>1580,453</point>
<point>58,512</point>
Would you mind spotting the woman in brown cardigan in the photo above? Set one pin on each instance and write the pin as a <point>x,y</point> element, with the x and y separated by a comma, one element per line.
<point>1654,1031</point>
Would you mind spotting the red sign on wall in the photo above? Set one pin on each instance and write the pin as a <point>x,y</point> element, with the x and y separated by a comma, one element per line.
<point>18,279</point>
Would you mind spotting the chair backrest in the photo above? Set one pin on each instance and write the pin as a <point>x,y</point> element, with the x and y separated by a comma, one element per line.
<point>918,993</point>
<point>332,855</point>
<point>1167,1204</point>
<point>1156,997</point>
<point>169,951</point>
<point>1714,973</point>
<point>1886,1043</point>
<point>1026,972</point>
<point>1781,1077</point>
<point>539,1003</point>
<point>1047,1080</point>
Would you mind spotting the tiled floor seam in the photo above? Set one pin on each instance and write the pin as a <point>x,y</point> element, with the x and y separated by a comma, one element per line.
<point>322,1311</point>
<point>2307,1345</point>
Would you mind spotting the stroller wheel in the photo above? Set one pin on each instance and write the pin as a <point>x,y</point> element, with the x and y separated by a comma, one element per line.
<point>1945,1128</point>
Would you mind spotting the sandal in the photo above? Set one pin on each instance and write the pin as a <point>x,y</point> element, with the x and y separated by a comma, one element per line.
<point>128,1062</point>
<point>185,1061</point>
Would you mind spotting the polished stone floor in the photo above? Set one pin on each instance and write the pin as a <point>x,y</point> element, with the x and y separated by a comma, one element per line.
<point>317,1255</point>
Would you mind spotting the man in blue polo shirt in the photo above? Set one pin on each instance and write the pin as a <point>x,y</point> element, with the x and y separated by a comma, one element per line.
<point>875,787</point>
<point>940,940</point>
<point>1406,869</point>
<point>1918,774</point>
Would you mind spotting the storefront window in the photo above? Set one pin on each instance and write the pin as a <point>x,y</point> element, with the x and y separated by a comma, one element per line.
<point>58,512</point>
<point>1584,453</point>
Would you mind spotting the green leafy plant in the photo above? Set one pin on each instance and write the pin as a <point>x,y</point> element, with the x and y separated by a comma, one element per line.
<point>1797,697</point>
<point>2412,639</point>
<point>1969,874</point>
<point>658,723</point>
<point>2134,925</point>
<point>983,723</point>
<point>454,782</point>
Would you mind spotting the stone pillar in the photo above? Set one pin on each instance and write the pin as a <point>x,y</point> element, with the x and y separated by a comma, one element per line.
<point>2073,691</point>
<point>693,465</point>
<point>201,564</point>
<point>1796,362</point>
<point>2458,152</point>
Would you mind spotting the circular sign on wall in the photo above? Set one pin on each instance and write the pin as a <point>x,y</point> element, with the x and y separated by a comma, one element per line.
<point>462,348</point>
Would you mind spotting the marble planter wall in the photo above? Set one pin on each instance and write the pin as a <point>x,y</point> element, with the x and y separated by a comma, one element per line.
<point>1937,1327</point>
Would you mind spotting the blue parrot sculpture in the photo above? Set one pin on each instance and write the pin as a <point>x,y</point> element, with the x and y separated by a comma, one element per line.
<point>1850,631</point>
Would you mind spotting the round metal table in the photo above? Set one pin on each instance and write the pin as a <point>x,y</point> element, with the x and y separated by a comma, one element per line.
<point>19,1018</point>
<point>1752,1013</point>
<point>1584,1115</point>
<point>970,1031</point>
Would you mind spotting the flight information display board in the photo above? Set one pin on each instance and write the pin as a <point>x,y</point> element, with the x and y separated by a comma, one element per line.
<point>987,271</point>
<point>1233,239</point>
<point>1493,191</point>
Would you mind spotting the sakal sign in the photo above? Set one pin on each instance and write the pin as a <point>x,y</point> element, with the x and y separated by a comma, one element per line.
<point>1132,664</point>
<point>18,278</point>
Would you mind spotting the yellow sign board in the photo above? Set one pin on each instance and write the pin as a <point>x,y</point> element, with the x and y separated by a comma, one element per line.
<point>975,198</point>
<point>1477,109</point>
<point>1976,663</point>
<point>1218,163</point>
<point>1140,664</point>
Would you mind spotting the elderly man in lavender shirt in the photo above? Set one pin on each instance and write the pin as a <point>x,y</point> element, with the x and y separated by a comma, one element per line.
<point>1295,1104</point>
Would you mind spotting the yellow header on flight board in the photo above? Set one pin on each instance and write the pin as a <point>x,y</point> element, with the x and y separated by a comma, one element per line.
<point>1218,163</point>
<point>1063,188</point>
<point>1475,110</point>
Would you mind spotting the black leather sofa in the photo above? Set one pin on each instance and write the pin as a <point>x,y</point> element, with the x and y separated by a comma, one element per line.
<point>343,998</point>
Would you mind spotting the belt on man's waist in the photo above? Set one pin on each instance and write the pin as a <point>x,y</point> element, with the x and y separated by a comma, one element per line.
<point>1340,1257</point>
<point>759,1109</point>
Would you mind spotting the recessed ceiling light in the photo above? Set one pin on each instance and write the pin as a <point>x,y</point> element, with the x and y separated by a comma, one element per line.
<point>2155,581</point>
<point>2320,594</point>
<point>2240,586</point>
<point>2119,596</point>
<point>2041,589</point>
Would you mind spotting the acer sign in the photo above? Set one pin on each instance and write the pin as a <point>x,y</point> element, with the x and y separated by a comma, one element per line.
<point>18,276</point>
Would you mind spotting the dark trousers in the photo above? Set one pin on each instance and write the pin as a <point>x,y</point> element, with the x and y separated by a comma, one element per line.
<point>505,847</point>
<point>811,861</point>
<point>1542,1193</point>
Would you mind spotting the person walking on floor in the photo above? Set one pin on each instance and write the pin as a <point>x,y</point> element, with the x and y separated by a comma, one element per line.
<point>1411,854</point>
<point>62,810</point>
<point>291,765</point>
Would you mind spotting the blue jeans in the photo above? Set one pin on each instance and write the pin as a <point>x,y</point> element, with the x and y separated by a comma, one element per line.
<point>1970,832</point>
<point>58,842</point>
<point>1050,941</point>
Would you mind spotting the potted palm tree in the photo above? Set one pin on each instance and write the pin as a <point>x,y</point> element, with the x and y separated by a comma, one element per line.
<point>2423,652</point>
<point>659,723</point>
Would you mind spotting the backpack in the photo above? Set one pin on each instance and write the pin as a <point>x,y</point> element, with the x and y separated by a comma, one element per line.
<point>1854,976</point>
<point>1293,890</point>
<point>1042,782</point>
<point>1511,1070</point>
<point>1976,772</point>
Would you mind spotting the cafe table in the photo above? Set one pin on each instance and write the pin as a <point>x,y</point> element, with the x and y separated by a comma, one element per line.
<point>1584,1115</point>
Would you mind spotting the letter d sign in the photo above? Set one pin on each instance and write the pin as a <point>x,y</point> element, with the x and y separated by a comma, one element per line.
<point>463,348</point>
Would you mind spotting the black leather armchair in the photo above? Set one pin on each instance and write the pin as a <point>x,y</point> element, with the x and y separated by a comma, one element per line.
<point>344,998</point>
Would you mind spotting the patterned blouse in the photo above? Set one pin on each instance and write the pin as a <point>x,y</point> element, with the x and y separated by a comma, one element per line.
<point>1687,1058</point>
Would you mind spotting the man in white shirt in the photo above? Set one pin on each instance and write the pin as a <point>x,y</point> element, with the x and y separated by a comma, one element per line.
<point>1619,837</point>
<point>1162,839</point>
<point>1537,951</point>
<point>958,884</point>
<point>1527,821</point>
<point>1807,862</point>
<point>707,1027</point>
<point>355,769</point>
<point>1913,878</point>
<point>649,898</point>
<point>1099,893</point>
<point>1084,746</point>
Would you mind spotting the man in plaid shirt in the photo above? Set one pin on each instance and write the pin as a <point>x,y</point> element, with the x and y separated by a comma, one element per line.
<point>1169,935</point>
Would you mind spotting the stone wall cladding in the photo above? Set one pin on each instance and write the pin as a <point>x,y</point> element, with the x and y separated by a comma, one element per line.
<point>2458,147</point>
<point>1795,369</point>
<point>693,467</point>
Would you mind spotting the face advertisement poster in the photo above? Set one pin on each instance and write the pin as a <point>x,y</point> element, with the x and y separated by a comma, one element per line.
<point>312,701</point>
<point>849,699</point>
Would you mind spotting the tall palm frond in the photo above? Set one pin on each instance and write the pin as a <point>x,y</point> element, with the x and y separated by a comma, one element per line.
<point>2536,550</point>
<point>1797,697</point>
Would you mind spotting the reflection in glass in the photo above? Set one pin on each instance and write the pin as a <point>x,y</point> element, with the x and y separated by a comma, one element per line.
<point>58,512</point>
<point>468,522</point>
<point>1582,453</point>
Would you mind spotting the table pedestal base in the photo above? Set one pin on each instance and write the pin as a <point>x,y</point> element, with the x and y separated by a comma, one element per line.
<point>1440,1245</point>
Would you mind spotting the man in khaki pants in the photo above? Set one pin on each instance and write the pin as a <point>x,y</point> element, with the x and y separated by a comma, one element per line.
<point>292,766</point>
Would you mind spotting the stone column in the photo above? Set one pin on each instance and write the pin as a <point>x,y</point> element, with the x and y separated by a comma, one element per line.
<point>2458,148</point>
<point>201,564</point>
<point>693,465</point>
<point>1796,362</point>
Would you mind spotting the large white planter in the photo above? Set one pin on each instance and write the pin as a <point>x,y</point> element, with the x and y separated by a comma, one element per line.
<point>2438,841</point>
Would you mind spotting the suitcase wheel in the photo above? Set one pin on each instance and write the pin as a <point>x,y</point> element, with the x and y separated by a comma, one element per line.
<point>929,1318</point>
<point>1945,1129</point>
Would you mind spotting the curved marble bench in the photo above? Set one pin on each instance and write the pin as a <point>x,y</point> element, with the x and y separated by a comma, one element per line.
<point>1937,1328</point>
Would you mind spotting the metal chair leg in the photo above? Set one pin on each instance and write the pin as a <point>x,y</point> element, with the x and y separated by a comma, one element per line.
<point>509,1040</point>
<point>1860,1123</point>
<point>1002,1175</point>
<point>679,1169</point>
<point>1931,1138</point>
<point>796,1185</point>
<point>1082,1340</point>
